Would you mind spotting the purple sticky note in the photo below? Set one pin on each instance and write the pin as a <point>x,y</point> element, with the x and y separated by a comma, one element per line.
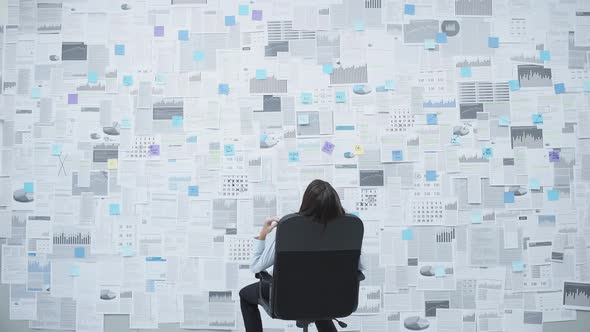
<point>257,15</point>
<point>154,150</point>
<point>553,156</point>
<point>328,147</point>
<point>159,31</point>
<point>72,98</point>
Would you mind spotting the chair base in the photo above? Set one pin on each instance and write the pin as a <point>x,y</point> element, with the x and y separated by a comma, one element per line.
<point>303,324</point>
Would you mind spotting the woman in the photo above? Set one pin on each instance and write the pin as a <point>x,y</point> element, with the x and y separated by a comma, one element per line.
<point>322,204</point>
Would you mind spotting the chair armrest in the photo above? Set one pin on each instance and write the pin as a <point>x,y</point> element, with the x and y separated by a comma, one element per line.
<point>360,276</point>
<point>265,282</point>
<point>264,276</point>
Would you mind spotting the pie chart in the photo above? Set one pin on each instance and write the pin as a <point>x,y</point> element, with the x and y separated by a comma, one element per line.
<point>416,323</point>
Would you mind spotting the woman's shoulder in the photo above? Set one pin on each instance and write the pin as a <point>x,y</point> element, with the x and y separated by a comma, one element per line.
<point>290,216</point>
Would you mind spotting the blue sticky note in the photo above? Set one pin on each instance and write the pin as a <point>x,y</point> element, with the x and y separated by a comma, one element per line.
<point>127,80</point>
<point>306,98</point>
<point>114,209</point>
<point>389,84</point>
<point>182,34</point>
<point>230,21</point>
<point>456,140</point>
<point>534,184</point>
<point>552,195</point>
<point>514,85</point>
<point>92,77</point>
<point>397,155</point>
<point>28,187</point>
<point>586,86</point>
<point>439,271</point>
<point>508,197</point>
<point>56,149</point>
<point>476,217</point>
<point>193,190</point>
<point>125,123</point>
<point>119,49</point>
<point>503,121</point>
<point>441,38</point>
<point>79,252</point>
<point>410,9</point>
<point>340,97</point>
<point>243,10</point>
<point>493,42</point>
<point>177,121</point>
<point>127,251</point>
<point>537,118</point>
<point>198,55</point>
<point>223,89</point>
<point>465,71</point>
<point>293,156</point>
<point>407,234</point>
<point>431,175</point>
<point>263,138</point>
<point>75,270</point>
<point>517,266</point>
<point>303,119</point>
<point>545,55</point>
<point>35,92</point>
<point>359,26</point>
<point>487,153</point>
<point>261,74</point>
<point>328,68</point>
<point>229,150</point>
<point>431,118</point>
<point>429,44</point>
<point>559,88</point>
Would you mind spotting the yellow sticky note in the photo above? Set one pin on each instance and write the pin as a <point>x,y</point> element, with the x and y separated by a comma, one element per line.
<point>358,149</point>
<point>112,163</point>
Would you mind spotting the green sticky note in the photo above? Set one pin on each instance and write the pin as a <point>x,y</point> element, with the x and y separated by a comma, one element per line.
<point>476,217</point>
<point>36,93</point>
<point>306,98</point>
<point>243,10</point>
<point>429,44</point>
<point>75,270</point>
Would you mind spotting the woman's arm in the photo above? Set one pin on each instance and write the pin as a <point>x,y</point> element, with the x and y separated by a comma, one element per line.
<point>361,262</point>
<point>262,258</point>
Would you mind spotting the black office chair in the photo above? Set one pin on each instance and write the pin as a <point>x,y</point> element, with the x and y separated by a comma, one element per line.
<point>315,275</point>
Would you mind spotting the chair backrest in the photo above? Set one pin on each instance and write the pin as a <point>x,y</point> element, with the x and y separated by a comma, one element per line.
<point>315,274</point>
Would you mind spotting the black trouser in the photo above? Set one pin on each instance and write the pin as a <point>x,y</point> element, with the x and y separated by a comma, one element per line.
<point>251,314</point>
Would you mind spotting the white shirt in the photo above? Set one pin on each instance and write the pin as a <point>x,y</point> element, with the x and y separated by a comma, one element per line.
<point>263,256</point>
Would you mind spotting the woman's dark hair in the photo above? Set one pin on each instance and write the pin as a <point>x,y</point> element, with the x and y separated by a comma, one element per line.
<point>321,202</point>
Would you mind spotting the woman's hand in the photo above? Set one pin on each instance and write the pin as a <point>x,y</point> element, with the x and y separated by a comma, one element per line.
<point>268,226</point>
